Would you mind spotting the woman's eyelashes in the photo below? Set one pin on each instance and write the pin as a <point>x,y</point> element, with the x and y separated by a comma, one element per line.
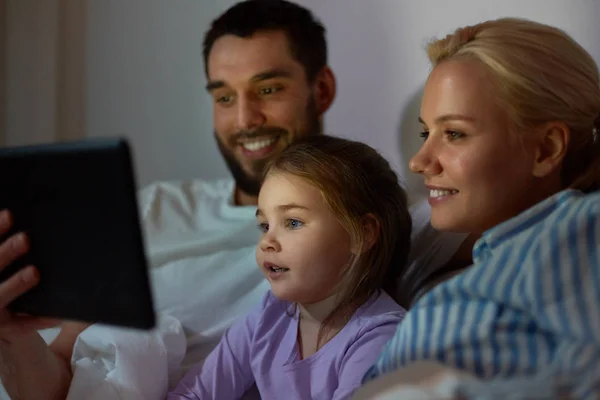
<point>450,134</point>
<point>290,223</point>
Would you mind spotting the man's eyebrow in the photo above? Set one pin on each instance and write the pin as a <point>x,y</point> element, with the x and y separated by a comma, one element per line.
<point>284,207</point>
<point>450,117</point>
<point>213,85</point>
<point>261,76</point>
<point>270,74</point>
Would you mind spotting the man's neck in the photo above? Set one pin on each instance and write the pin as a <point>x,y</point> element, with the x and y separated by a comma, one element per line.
<point>241,198</point>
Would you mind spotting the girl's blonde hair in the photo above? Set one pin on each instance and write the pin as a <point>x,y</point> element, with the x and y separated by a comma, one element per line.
<point>542,75</point>
<point>357,183</point>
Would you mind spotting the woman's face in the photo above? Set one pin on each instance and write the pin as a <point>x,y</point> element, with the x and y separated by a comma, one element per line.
<point>478,172</point>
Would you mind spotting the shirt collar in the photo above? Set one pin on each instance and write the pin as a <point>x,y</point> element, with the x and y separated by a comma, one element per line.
<point>500,233</point>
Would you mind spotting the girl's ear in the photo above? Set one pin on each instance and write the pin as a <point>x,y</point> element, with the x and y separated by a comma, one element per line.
<point>371,229</point>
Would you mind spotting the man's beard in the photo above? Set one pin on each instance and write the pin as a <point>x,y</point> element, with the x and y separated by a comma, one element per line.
<point>250,183</point>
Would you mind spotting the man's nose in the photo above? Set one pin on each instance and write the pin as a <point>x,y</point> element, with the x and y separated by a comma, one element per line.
<point>250,115</point>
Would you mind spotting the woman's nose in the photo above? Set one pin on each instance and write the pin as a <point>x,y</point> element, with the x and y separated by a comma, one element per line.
<point>425,161</point>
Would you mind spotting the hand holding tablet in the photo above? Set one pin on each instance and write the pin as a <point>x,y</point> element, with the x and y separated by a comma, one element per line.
<point>76,203</point>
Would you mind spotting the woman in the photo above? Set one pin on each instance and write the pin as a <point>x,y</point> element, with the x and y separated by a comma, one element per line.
<point>511,153</point>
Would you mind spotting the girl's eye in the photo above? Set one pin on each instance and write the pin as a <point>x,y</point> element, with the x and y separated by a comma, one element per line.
<point>293,223</point>
<point>424,135</point>
<point>264,227</point>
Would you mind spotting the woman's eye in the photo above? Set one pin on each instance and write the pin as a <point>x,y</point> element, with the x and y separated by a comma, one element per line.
<point>454,134</point>
<point>424,135</point>
<point>264,227</point>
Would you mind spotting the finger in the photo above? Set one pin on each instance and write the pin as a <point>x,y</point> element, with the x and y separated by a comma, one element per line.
<point>18,284</point>
<point>20,325</point>
<point>42,320</point>
<point>13,248</point>
<point>5,221</point>
<point>29,323</point>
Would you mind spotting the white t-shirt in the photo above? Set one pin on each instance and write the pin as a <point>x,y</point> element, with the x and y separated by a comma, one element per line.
<point>202,252</point>
<point>201,249</point>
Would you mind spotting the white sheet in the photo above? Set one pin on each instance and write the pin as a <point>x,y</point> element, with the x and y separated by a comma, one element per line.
<point>424,380</point>
<point>114,363</point>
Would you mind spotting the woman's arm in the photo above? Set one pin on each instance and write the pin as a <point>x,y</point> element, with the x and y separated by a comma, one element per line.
<point>563,288</point>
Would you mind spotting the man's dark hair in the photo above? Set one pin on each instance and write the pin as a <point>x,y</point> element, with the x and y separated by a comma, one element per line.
<point>305,34</point>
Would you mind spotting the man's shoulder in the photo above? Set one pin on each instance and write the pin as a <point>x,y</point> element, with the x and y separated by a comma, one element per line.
<point>184,194</point>
<point>195,187</point>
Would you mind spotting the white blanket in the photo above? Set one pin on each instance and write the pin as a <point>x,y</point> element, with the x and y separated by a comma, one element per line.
<point>116,363</point>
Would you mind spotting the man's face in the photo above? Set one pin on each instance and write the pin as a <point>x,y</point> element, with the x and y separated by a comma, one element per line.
<point>262,102</point>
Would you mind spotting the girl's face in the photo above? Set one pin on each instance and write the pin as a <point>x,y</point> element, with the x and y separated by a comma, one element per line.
<point>304,248</point>
<point>479,174</point>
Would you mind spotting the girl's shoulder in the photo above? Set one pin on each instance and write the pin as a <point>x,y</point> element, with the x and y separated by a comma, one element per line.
<point>380,309</point>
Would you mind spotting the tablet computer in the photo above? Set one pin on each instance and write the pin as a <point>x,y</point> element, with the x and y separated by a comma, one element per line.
<point>77,201</point>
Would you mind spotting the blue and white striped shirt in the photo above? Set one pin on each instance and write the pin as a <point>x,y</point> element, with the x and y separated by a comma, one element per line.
<point>529,306</point>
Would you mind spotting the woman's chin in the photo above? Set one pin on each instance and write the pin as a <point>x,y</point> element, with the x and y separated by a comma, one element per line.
<point>448,222</point>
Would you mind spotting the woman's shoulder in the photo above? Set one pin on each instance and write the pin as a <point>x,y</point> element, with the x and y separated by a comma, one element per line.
<point>549,222</point>
<point>574,218</point>
<point>574,204</point>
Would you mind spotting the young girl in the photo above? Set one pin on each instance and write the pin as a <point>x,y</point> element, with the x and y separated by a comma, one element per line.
<point>511,154</point>
<point>336,230</point>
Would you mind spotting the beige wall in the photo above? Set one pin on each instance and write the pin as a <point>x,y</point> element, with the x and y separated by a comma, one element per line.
<point>44,89</point>
<point>71,73</point>
<point>2,70</point>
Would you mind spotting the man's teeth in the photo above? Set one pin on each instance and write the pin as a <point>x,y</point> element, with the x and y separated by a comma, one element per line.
<point>435,193</point>
<point>258,144</point>
<point>277,269</point>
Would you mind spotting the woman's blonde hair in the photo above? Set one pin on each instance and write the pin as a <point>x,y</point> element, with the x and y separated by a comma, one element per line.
<point>542,75</point>
<point>356,182</point>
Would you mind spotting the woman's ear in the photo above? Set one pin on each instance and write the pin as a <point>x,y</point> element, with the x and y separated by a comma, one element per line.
<point>551,148</point>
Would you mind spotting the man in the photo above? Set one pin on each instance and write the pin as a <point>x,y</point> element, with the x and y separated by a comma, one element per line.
<point>266,67</point>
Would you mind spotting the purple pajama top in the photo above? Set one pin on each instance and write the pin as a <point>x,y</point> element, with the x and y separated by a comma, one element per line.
<point>262,349</point>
